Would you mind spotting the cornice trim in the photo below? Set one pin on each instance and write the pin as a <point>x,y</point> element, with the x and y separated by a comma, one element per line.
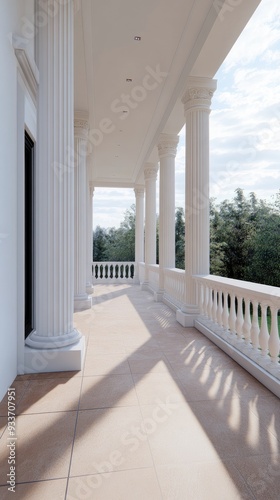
<point>27,66</point>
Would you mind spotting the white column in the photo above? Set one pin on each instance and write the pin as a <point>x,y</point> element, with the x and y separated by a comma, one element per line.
<point>139,229</point>
<point>81,299</point>
<point>150,174</point>
<point>197,102</point>
<point>167,149</point>
<point>54,202</point>
<point>89,285</point>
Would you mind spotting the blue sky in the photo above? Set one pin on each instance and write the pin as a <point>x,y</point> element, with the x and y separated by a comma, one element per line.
<point>244,123</point>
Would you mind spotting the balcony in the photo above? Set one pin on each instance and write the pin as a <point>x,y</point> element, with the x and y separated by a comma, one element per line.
<point>159,412</point>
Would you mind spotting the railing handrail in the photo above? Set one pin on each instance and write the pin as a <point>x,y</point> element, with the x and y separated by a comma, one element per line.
<point>245,288</point>
<point>113,262</point>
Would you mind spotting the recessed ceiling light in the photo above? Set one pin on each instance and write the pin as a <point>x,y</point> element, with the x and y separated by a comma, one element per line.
<point>129,80</point>
<point>137,38</point>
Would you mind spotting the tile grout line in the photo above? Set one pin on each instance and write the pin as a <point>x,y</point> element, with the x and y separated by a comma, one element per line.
<point>76,423</point>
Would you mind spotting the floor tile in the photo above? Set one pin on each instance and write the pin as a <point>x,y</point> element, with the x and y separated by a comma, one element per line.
<point>150,386</point>
<point>233,428</point>
<point>164,414</point>
<point>50,395</point>
<point>175,435</point>
<point>261,474</point>
<point>107,440</point>
<point>114,364</point>
<point>244,384</point>
<point>135,484</point>
<point>3,423</point>
<point>43,490</point>
<point>43,447</point>
<point>149,365</point>
<point>108,391</point>
<point>267,411</point>
<point>203,384</point>
<point>202,481</point>
<point>20,389</point>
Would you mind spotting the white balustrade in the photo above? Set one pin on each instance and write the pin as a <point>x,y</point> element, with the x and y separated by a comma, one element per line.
<point>113,272</point>
<point>174,286</point>
<point>154,277</point>
<point>236,308</point>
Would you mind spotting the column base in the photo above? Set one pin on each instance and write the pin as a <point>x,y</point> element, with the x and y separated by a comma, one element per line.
<point>158,296</point>
<point>186,319</point>
<point>89,288</point>
<point>37,341</point>
<point>81,303</point>
<point>68,358</point>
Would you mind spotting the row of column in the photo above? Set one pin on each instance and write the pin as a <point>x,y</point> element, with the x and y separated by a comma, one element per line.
<point>197,102</point>
<point>63,194</point>
<point>63,198</point>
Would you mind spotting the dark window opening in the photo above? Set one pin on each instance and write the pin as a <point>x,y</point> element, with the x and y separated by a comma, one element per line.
<point>29,234</point>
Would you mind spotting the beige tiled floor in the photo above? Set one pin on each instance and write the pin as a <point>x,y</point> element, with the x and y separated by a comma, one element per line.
<point>157,413</point>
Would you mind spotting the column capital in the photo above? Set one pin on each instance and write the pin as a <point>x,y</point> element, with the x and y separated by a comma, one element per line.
<point>150,171</point>
<point>81,128</point>
<point>199,93</point>
<point>167,145</point>
<point>91,187</point>
<point>139,190</point>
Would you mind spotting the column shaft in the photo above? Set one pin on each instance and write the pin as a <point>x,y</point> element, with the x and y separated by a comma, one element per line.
<point>81,299</point>
<point>197,101</point>
<point>90,190</point>
<point>139,229</point>
<point>150,173</point>
<point>54,198</point>
<point>167,148</point>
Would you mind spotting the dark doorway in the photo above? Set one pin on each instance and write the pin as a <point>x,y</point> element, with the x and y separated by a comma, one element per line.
<point>29,234</point>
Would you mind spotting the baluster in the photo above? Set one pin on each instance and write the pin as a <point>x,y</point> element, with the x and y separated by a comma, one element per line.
<point>232,314</point>
<point>214,306</point>
<point>209,308</point>
<point>255,329</point>
<point>273,342</point>
<point>205,299</point>
<point>220,308</point>
<point>101,270</point>
<point>201,298</point>
<point>264,335</point>
<point>239,319</point>
<point>225,311</point>
<point>247,321</point>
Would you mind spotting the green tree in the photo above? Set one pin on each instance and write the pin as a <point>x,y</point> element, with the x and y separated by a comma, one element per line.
<point>245,239</point>
<point>121,242</point>
<point>99,240</point>
<point>180,238</point>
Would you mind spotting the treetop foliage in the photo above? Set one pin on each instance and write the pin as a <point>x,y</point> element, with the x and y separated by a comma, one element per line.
<point>244,239</point>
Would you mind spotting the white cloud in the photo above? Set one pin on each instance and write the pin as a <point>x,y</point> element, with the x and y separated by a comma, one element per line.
<point>245,121</point>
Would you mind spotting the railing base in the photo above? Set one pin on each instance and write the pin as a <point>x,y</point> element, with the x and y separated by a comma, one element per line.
<point>158,295</point>
<point>261,374</point>
<point>82,304</point>
<point>186,320</point>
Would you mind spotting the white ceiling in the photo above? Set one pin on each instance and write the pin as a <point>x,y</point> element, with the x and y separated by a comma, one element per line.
<point>179,37</point>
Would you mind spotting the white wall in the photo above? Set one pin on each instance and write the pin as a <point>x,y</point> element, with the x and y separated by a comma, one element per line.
<point>10,22</point>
